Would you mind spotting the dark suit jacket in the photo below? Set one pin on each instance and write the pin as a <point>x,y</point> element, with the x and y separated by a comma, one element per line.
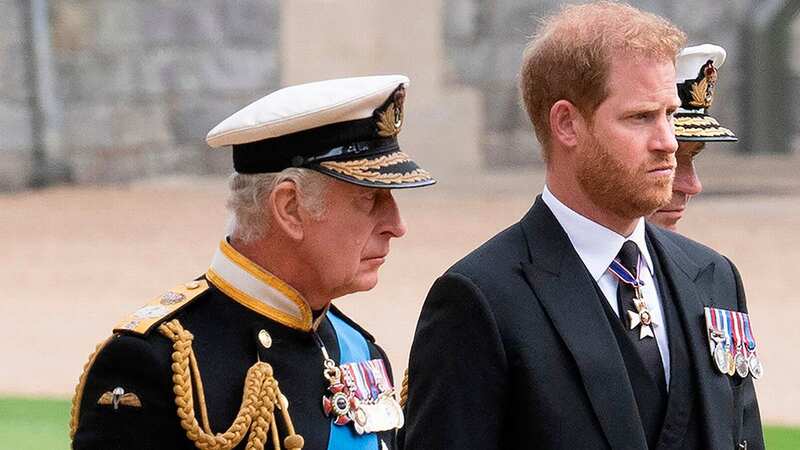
<point>513,350</point>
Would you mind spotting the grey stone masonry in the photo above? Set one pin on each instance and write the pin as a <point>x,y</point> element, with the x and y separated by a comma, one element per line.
<point>140,82</point>
<point>484,40</point>
<point>15,113</point>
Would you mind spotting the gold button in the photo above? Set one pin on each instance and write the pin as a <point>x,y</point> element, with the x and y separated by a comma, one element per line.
<point>192,285</point>
<point>265,338</point>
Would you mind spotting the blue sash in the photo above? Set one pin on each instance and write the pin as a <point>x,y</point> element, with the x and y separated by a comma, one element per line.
<point>352,348</point>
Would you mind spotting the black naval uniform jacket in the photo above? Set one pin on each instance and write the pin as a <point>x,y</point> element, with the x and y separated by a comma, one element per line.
<point>514,349</point>
<point>226,344</point>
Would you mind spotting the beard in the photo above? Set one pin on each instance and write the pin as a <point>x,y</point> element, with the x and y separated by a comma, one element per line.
<point>628,192</point>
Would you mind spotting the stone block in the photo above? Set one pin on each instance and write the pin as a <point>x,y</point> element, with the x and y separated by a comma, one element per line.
<point>95,75</point>
<point>502,107</point>
<point>12,18</point>
<point>512,149</point>
<point>88,126</point>
<point>181,23</point>
<point>73,25</point>
<point>170,69</point>
<point>250,22</point>
<point>118,24</point>
<point>241,69</point>
<point>794,58</point>
<point>14,70</point>
<point>140,123</point>
<point>192,118</point>
<point>468,64</point>
<point>514,20</point>
<point>464,21</point>
<point>15,167</point>
<point>15,121</point>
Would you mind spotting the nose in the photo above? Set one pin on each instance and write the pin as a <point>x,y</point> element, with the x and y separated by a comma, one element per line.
<point>664,138</point>
<point>686,179</point>
<point>392,223</point>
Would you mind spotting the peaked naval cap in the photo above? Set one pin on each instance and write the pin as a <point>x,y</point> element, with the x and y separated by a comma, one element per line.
<point>345,128</point>
<point>696,76</point>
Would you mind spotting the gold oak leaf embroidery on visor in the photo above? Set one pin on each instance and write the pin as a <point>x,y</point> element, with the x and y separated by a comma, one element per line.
<point>367,169</point>
<point>696,121</point>
<point>701,132</point>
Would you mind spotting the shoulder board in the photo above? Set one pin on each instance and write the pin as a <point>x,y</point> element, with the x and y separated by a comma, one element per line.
<point>143,319</point>
<point>350,322</point>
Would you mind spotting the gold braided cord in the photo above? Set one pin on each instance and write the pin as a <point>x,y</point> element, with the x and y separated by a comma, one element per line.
<point>369,164</point>
<point>256,413</point>
<point>404,390</point>
<point>76,400</point>
<point>201,393</point>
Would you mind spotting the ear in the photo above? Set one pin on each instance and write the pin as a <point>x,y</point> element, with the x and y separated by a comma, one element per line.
<point>284,206</point>
<point>565,123</point>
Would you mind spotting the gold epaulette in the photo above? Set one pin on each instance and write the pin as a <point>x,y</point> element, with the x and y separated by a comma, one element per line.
<point>145,318</point>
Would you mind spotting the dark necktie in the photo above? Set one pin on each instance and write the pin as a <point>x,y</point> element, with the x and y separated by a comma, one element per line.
<point>647,347</point>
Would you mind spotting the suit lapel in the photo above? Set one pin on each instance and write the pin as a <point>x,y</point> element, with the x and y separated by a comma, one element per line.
<point>691,284</point>
<point>567,293</point>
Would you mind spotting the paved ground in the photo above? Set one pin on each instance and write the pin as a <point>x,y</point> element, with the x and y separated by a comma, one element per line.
<point>74,260</point>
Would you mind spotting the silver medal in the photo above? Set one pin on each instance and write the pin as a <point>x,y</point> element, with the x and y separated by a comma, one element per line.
<point>756,369</point>
<point>721,357</point>
<point>742,365</point>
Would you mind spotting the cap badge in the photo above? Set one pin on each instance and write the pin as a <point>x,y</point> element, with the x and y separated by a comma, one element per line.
<point>703,87</point>
<point>390,119</point>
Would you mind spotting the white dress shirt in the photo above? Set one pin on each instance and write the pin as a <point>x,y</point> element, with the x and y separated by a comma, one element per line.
<point>597,246</point>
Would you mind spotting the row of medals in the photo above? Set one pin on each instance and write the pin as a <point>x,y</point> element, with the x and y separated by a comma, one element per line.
<point>367,415</point>
<point>736,361</point>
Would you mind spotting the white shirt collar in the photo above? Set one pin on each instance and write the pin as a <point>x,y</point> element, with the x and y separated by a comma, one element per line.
<point>596,245</point>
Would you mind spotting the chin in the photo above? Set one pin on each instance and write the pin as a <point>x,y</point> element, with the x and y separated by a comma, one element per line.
<point>665,220</point>
<point>365,282</point>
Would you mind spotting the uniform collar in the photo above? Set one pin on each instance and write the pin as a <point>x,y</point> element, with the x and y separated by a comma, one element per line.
<point>596,245</point>
<point>254,287</point>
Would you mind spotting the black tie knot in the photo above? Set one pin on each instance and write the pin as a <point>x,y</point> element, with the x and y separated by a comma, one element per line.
<point>629,256</point>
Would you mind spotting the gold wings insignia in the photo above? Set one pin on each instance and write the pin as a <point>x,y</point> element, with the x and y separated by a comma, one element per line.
<point>126,399</point>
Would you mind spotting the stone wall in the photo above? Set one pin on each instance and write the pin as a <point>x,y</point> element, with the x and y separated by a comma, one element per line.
<point>141,82</point>
<point>485,39</point>
<point>15,113</point>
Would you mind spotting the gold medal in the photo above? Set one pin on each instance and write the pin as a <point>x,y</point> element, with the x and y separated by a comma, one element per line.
<point>731,364</point>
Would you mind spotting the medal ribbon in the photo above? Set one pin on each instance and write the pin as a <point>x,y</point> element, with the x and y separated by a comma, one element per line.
<point>367,379</point>
<point>624,274</point>
<point>751,342</point>
<point>353,348</point>
<point>737,334</point>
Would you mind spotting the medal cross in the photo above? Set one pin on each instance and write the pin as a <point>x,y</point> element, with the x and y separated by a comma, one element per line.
<point>643,319</point>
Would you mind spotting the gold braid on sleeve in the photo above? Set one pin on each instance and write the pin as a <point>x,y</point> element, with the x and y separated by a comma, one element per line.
<point>256,414</point>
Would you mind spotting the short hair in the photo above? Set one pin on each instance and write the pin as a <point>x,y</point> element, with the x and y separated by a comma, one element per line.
<point>570,56</point>
<point>249,219</point>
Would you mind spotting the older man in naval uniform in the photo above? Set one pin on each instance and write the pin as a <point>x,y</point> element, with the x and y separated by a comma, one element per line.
<point>697,74</point>
<point>580,326</point>
<point>252,353</point>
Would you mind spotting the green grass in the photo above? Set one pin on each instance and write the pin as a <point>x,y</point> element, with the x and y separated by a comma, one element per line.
<point>40,424</point>
<point>34,424</point>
